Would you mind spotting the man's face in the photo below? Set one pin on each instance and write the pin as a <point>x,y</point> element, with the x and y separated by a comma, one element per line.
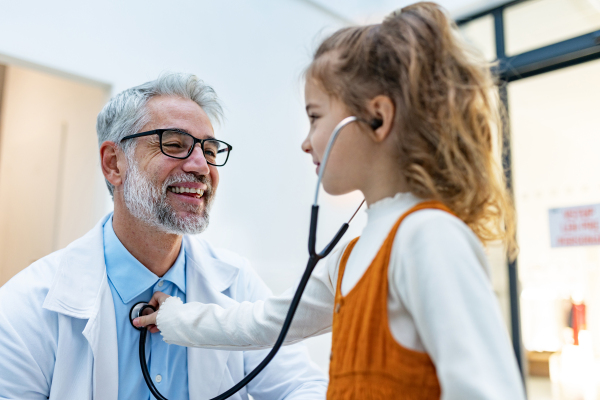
<point>158,189</point>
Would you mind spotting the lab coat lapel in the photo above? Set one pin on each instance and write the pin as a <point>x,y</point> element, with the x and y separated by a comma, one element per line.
<point>206,278</point>
<point>80,290</point>
<point>101,333</point>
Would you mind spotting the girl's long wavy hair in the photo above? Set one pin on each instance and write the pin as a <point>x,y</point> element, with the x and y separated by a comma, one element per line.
<point>448,114</point>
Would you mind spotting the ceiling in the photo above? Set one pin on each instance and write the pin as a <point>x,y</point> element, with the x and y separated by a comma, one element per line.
<point>370,11</point>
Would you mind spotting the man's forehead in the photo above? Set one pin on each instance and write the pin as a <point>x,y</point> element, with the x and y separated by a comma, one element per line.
<point>180,113</point>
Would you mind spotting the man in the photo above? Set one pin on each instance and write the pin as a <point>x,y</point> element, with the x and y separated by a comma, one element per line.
<point>64,320</point>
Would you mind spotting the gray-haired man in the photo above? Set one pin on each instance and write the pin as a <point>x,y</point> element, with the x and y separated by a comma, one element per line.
<point>64,327</point>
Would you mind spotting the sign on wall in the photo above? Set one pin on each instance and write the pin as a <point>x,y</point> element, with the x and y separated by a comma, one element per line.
<point>575,226</point>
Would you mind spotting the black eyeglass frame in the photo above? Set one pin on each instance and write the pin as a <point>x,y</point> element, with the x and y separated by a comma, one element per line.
<point>160,132</point>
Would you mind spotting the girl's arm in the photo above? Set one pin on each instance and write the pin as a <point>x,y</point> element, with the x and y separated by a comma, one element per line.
<point>246,325</point>
<point>444,284</point>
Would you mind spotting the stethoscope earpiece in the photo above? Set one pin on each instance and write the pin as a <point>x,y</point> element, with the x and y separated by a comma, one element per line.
<point>375,123</point>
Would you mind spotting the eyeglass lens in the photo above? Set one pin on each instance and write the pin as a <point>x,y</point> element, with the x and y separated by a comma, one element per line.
<point>179,145</point>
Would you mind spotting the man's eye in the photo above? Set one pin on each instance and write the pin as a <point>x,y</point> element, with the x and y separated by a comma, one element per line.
<point>173,145</point>
<point>210,153</point>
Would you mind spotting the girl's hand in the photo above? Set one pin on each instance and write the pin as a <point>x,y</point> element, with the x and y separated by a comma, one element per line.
<point>150,320</point>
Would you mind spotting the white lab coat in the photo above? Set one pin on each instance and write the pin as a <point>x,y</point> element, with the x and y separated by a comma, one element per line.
<point>58,336</point>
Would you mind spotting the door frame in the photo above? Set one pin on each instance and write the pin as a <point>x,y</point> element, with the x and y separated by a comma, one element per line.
<point>545,59</point>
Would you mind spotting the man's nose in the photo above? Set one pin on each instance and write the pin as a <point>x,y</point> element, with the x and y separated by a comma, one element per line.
<point>196,162</point>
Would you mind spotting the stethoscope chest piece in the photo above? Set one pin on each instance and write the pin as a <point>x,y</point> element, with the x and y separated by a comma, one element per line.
<point>137,310</point>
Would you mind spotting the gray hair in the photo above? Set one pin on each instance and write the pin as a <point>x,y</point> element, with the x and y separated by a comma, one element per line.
<point>125,114</point>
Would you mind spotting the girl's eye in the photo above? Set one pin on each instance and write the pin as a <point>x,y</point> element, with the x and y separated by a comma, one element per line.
<point>312,117</point>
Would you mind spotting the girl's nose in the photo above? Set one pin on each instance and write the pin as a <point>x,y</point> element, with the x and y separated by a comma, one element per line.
<point>306,147</point>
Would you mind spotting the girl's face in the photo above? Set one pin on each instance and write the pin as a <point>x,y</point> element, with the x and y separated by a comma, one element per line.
<point>345,169</point>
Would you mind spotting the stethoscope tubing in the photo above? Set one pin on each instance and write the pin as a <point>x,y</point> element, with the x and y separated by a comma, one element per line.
<point>142,354</point>
<point>314,258</point>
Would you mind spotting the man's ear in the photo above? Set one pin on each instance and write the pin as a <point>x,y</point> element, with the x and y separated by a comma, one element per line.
<point>383,110</point>
<point>109,161</point>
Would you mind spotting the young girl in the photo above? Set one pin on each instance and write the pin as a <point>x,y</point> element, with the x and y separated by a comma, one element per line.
<point>410,303</point>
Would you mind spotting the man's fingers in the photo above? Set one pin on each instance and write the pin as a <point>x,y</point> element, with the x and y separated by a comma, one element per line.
<point>145,320</point>
<point>153,329</point>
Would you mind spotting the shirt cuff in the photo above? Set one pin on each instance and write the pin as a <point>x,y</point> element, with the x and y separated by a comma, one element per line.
<point>166,319</point>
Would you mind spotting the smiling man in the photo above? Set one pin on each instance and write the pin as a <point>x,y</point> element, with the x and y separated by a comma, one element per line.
<point>64,320</point>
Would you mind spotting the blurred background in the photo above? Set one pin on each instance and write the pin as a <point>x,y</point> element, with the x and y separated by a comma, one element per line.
<point>61,61</point>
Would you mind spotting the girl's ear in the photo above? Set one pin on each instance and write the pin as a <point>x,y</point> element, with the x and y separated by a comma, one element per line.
<point>383,111</point>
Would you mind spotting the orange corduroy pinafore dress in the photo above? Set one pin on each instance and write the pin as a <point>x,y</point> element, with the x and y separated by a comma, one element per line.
<point>366,361</point>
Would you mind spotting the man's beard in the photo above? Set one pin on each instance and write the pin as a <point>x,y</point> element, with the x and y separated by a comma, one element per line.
<point>147,200</point>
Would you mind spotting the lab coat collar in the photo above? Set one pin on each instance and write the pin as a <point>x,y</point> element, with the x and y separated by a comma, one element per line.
<point>75,291</point>
<point>219,274</point>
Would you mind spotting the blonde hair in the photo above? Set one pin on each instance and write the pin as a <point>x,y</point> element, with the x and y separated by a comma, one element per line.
<point>448,120</point>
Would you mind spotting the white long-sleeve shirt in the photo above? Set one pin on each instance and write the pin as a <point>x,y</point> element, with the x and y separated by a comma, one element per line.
<point>440,301</point>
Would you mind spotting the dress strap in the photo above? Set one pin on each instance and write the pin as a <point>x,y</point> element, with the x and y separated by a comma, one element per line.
<point>342,266</point>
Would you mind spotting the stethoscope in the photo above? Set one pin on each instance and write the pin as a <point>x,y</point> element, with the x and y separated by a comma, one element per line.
<point>314,257</point>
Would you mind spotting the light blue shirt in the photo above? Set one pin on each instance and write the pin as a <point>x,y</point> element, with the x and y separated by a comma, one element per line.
<point>130,282</point>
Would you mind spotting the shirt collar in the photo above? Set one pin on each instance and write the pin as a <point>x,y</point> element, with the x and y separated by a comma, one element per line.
<point>130,277</point>
<point>388,206</point>
<point>176,274</point>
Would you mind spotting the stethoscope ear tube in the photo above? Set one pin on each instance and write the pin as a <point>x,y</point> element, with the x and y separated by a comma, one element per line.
<point>332,138</point>
<point>338,236</point>
<point>312,236</point>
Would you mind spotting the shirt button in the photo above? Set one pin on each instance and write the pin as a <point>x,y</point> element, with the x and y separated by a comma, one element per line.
<point>158,378</point>
<point>337,307</point>
<point>161,283</point>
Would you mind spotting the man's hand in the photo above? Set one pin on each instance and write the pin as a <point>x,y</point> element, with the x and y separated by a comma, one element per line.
<point>150,320</point>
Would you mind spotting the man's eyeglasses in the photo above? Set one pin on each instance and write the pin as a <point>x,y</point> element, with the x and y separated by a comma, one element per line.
<point>177,144</point>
